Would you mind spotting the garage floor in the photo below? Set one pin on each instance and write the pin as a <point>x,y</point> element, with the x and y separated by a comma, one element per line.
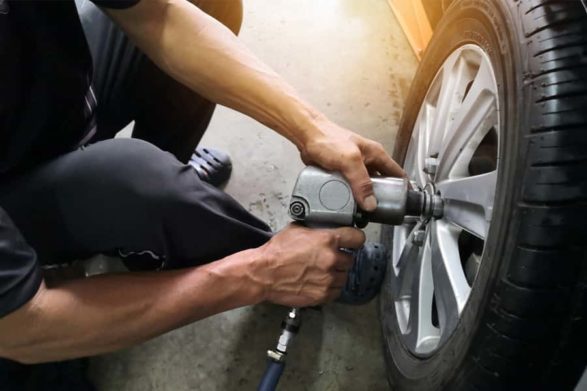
<point>351,60</point>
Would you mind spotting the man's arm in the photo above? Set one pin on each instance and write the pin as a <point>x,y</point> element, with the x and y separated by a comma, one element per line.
<point>106,313</point>
<point>297,267</point>
<point>203,54</point>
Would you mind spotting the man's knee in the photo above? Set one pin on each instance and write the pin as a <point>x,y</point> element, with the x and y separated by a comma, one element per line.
<point>136,171</point>
<point>228,12</point>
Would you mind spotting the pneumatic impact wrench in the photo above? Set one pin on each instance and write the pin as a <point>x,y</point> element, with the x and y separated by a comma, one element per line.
<point>324,199</point>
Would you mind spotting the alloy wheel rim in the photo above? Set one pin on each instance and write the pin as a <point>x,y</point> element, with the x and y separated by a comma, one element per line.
<point>454,148</point>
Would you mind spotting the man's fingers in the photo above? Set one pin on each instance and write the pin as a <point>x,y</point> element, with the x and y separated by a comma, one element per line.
<point>382,162</point>
<point>358,177</point>
<point>388,167</point>
<point>344,261</point>
<point>349,237</point>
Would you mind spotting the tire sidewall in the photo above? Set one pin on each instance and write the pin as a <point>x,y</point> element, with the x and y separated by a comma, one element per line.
<point>488,24</point>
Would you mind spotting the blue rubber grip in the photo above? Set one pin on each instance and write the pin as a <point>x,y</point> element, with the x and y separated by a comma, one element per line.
<point>271,376</point>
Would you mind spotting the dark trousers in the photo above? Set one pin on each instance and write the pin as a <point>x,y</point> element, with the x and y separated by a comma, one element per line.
<point>128,196</point>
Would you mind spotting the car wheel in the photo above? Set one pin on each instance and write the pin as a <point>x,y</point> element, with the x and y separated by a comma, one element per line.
<point>492,295</point>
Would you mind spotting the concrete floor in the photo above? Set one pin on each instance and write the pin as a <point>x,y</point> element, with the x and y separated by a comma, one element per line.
<point>351,60</point>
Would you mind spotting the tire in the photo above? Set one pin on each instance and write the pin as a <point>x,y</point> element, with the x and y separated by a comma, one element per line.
<point>523,325</point>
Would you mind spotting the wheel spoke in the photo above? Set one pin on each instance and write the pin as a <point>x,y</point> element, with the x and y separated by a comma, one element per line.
<point>419,146</point>
<point>429,113</point>
<point>400,237</point>
<point>468,202</point>
<point>450,284</point>
<point>410,163</point>
<point>473,119</point>
<point>418,150</point>
<point>405,268</point>
<point>422,334</point>
<point>407,264</point>
<point>453,80</point>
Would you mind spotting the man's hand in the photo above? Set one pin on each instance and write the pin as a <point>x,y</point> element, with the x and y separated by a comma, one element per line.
<point>337,149</point>
<point>304,267</point>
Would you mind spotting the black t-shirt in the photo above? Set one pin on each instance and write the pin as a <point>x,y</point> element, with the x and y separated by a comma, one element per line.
<point>46,109</point>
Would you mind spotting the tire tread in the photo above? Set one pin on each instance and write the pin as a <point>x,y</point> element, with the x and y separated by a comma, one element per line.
<point>546,276</point>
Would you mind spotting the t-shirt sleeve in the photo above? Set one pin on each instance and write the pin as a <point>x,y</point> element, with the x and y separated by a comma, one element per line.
<point>119,4</point>
<point>20,274</point>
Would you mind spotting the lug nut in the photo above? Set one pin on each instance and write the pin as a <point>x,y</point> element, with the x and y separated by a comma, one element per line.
<point>430,165</point>
<point>418,238</point>
<point>437,206</point>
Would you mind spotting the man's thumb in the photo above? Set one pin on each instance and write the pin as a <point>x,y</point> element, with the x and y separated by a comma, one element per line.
<point>362,187</point>
<point>370,203</point>
<point>363,192</point>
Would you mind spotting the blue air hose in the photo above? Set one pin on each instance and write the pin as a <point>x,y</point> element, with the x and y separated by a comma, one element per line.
<point>271,376</point>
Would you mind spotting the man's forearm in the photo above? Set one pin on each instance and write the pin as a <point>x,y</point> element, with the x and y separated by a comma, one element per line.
<point>206,56</point>
<point>106,313</point>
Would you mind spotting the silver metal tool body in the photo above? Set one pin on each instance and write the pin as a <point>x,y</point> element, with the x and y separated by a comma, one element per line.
<point>322,198</point>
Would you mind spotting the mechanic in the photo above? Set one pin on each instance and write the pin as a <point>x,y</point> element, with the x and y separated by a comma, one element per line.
<point>69,80</point>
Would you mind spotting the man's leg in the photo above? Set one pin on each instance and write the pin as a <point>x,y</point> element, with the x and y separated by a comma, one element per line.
<point>120,197</point>
<point>127,196</point>
<point>130,87</point>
